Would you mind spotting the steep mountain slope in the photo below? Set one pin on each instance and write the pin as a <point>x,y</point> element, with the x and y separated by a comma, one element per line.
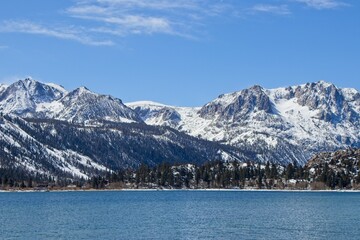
<point>20,148</point>
<point>57,148</point>
<point>279,125</point>
<point>30,98</point>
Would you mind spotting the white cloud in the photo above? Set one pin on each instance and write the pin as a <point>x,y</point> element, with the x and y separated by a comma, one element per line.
<point>133,23</point>
<point>91,9</point>
<point>323,4</point>
<point>75,34</point>
<point>3,47</point>
<point>151,4</point>
<point>274,9</point>
<point>109,18</point>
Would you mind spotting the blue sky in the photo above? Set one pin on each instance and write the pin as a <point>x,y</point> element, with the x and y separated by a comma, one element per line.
<point>183,52</point>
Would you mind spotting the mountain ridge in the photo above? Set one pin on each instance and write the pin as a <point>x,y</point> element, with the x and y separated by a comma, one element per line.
<point>280,125</point>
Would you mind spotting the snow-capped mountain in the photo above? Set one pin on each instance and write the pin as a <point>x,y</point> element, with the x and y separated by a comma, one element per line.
<point>23,97</point>
<point>278,125</point>
<point>33,99</point>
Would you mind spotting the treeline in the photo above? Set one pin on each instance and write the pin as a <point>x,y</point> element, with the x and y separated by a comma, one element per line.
<point>232,175</point>
<point>16,178</point>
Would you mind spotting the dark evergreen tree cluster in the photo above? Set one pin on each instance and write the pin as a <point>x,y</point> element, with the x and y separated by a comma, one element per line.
<point>225,175</point>
<point>215,174</point>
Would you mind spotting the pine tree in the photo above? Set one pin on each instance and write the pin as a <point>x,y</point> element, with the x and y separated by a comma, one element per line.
<point>197,176</point>
<point>260,177</point>
<point>289,171</point>
<point>30,184</point>
<point>273,171</point>
<point>267,170</point>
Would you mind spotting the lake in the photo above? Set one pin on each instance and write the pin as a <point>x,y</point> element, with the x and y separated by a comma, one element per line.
<point>180,215</point>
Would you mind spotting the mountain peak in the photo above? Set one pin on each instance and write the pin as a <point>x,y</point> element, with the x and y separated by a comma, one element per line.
<point>82,92</point>
<point>28,82</point>
<point>324,83</point>
<point>28,79</point>
<point>319,85</point>
<point>256,87</point>
<point>83,89</point>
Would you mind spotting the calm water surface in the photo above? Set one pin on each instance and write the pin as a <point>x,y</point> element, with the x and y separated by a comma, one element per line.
<point>179,215</point>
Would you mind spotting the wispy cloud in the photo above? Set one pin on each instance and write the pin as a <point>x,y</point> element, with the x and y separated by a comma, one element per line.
<point>145,4</point>
<point>3,47</point>
<point>131,24</point>
<point>273,9</point>
<point>323,4</point>
<point>108,18</point>
<point>74,33</point>
<point>126,17</point>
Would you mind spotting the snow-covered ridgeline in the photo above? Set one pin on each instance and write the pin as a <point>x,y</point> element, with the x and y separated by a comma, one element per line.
<point>30,98</point>
<point>311,117</point>
<point>279,125</point>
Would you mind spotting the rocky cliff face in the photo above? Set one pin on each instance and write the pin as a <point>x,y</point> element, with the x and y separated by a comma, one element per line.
<point>330,102</point>
<point>241,106</point>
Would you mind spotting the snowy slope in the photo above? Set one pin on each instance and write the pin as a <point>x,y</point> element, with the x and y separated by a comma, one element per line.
<point>61,149</point>
<point>280,125</point>
<point>20,149</point>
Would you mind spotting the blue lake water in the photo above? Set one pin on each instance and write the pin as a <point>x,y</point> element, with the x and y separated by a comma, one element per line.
<point>180,215</point>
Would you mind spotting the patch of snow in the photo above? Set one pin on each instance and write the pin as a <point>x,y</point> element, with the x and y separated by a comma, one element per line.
<point>57,87</point>
<point>51,108</point>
